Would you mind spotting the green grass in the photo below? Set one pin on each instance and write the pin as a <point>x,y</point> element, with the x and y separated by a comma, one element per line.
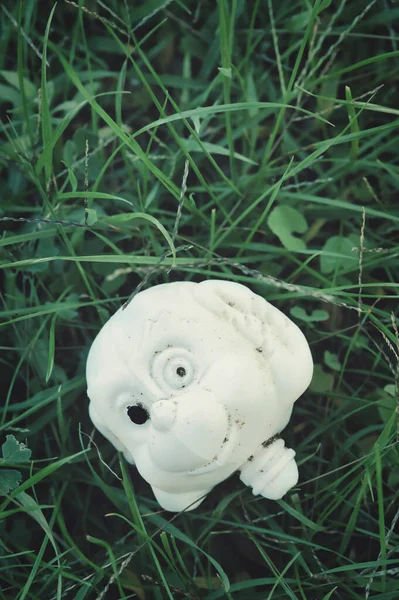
<point>253,141</point>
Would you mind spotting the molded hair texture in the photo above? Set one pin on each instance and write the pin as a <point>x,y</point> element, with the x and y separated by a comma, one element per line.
<point>281,341</point>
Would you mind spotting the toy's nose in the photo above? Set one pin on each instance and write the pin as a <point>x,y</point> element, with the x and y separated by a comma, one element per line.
<point>163,414</point>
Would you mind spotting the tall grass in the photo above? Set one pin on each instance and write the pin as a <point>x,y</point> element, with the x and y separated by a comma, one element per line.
<point>164,140</point>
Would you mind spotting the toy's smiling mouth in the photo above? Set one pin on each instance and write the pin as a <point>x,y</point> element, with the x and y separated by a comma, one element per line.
<point>191,434</point>
<point>221,459</point>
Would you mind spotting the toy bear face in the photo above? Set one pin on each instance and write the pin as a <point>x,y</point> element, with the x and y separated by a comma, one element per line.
<point>186,382</point>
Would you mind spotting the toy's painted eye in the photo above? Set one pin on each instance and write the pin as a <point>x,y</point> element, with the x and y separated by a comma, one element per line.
<point>138,414</point>
<point>174,369</point>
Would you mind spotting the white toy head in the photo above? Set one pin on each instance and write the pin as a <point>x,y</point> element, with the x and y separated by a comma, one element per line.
<point>188,382</point>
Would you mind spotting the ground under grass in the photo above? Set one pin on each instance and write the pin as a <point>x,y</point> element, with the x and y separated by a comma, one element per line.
<point>258,142</point>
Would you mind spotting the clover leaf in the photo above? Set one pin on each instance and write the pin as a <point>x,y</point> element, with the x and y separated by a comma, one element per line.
<point>13,452</point>
<point>284,221</point>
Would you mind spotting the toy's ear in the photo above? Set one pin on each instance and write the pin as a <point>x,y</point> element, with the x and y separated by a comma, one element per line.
<point>281,342</point>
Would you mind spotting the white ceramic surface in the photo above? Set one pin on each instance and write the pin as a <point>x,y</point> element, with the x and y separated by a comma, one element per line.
<point>191,380</point>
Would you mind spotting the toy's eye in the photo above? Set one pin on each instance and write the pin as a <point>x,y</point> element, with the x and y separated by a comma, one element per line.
<point>178,372</point>
<point>174,369</point>
<point>138,414</point>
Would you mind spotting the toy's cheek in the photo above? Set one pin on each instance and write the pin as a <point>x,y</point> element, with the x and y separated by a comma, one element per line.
<point>241,380</point>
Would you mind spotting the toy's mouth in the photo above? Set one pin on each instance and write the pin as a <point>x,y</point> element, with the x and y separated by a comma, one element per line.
<point>195,446</point>
<point>222,458</point>
<point>198,437</point>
